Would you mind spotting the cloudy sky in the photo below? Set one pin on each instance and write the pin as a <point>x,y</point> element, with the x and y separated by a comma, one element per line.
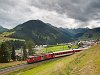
<point>60,13</point>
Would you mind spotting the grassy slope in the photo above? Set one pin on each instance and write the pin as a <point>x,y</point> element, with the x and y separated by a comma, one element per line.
<point>82,63</point>
<point>4,37</point>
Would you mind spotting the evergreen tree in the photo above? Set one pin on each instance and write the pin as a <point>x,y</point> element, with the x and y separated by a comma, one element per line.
<point>24,52</point>
<point>4,53</point>
<point>13,55</point>
<point>16,43</point>
<point>30,45</point>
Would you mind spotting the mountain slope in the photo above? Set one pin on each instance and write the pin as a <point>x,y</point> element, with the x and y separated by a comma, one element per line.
<point>75,33</point>
<point>66,31</point>
<point>92,34</point>
<point>3,29</point>
<point>39,32</point>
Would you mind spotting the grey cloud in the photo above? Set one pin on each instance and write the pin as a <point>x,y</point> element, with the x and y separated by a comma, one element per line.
<point>82,10</point>
<point>14,12</point>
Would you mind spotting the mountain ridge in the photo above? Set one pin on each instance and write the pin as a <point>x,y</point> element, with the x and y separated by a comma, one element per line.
<point>2,29</point>
<point>91,34</point>
<point>45,33</point>
<point>40,33</point>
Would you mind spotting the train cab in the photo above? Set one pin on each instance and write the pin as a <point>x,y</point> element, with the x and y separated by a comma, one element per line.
<point>30,59</point>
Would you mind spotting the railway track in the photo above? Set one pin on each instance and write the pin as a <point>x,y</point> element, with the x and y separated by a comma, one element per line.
<point>11,69</point>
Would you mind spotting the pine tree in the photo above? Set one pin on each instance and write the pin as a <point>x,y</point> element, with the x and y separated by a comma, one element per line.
<point>24,52</point>
<point>4,53</point>
<point>30,45</point>
<point>13,54</point>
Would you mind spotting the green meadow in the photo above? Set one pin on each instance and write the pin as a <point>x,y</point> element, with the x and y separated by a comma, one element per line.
<point>57,48</point>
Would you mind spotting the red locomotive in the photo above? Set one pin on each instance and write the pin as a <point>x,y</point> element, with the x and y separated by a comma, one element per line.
<point>36,58</point>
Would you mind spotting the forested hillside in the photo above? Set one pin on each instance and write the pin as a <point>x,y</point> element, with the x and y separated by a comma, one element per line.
<point>91,34</point>
<point>40,33</point>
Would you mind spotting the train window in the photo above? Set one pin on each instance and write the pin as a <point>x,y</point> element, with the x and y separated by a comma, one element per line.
<point>29,58</point>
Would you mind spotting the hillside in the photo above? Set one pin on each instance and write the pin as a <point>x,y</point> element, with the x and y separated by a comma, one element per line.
<point>75,33</point>
<point>83,33</point>
<point>86,62</point>
<point>91,34</point>
<point>4,37</point>
<point>39,32</point>
<point>3,29</point>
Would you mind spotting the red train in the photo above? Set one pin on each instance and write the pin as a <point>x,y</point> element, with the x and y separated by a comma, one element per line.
<point>36,58</point>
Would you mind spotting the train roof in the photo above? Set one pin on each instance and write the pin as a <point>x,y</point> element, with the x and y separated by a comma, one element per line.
<point>66,50</point>
<point>63,51</point>
<point>55,52</point>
